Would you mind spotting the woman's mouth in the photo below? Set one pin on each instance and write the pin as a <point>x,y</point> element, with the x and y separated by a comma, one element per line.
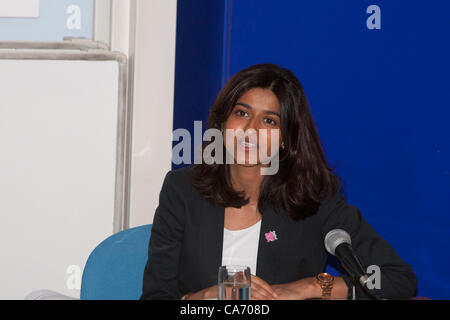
<point>246,145</point>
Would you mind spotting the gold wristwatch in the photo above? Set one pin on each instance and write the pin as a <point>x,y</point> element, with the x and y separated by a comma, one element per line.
<point>325,281</point>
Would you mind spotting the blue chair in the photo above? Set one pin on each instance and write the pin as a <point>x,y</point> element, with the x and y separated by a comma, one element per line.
<point>114,270</point>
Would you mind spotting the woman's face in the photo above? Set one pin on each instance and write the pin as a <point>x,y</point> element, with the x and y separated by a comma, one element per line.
<point>255,110</point>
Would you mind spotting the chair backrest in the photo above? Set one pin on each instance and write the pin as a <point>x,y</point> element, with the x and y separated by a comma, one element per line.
<point>114,270</point>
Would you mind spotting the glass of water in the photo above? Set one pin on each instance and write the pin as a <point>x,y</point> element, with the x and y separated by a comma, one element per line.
<point>234,283</point>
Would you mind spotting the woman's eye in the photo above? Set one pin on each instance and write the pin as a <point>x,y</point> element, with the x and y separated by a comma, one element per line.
<point>270,121</point>
<point>241,113</point>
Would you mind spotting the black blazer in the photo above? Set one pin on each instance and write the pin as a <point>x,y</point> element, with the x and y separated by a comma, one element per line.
<point>185,249</point>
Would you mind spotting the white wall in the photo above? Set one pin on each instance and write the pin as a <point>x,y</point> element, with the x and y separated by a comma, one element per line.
<point>58,139</point>
<point>146,31</point>
<point>153,105</point>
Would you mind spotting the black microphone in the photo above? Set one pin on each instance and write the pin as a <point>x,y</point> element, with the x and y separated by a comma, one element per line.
<point>338,243</point>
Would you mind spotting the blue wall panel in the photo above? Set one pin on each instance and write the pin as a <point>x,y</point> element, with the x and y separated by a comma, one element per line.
<point>380,99</point>
<point>198,61</point>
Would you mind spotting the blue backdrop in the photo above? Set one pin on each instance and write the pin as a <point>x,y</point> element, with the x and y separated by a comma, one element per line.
<point>380,99</point>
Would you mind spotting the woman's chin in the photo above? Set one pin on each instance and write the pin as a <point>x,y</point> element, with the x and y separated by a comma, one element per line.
<point>247,162</point>
<point>248,165</point>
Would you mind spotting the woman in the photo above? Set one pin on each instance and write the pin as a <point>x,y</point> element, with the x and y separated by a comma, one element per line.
<point>218,214</point>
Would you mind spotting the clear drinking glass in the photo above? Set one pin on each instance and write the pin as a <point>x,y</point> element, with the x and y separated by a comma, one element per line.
<point>234,283</point>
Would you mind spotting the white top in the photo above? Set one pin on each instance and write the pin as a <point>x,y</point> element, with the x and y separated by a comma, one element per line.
<point>240,247</point>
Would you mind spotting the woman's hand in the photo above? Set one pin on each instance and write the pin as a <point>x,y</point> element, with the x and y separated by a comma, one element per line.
<point>308,288</point>
<point>305,288</point>
<point>261,290</point>
<point>298,290</point>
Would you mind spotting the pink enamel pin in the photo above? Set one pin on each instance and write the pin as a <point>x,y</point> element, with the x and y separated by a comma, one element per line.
<point>271,236</point>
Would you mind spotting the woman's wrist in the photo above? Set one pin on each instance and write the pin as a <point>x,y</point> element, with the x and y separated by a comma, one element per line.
<point>309,288</point>
<point>306,288</point>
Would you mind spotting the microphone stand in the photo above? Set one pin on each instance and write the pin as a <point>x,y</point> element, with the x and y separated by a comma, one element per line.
<point>354,292</point>
<point>356,287</point>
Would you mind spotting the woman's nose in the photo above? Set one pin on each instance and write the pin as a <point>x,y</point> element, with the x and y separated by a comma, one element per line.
<point>252,124</point>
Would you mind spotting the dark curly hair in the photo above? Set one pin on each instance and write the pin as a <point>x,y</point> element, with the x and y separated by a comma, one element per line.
<point>304,177</point>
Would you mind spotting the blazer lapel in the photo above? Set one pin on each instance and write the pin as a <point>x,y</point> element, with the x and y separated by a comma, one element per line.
<point>212,241</point>
<point>270,242</point>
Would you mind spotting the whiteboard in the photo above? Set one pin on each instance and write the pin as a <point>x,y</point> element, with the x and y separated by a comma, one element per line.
<point>59,125</point>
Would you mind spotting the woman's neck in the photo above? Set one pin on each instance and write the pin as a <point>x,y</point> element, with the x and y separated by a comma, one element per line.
<point>247,179</point>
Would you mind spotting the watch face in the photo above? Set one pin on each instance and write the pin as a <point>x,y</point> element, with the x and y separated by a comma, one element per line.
<point>325,277</point>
